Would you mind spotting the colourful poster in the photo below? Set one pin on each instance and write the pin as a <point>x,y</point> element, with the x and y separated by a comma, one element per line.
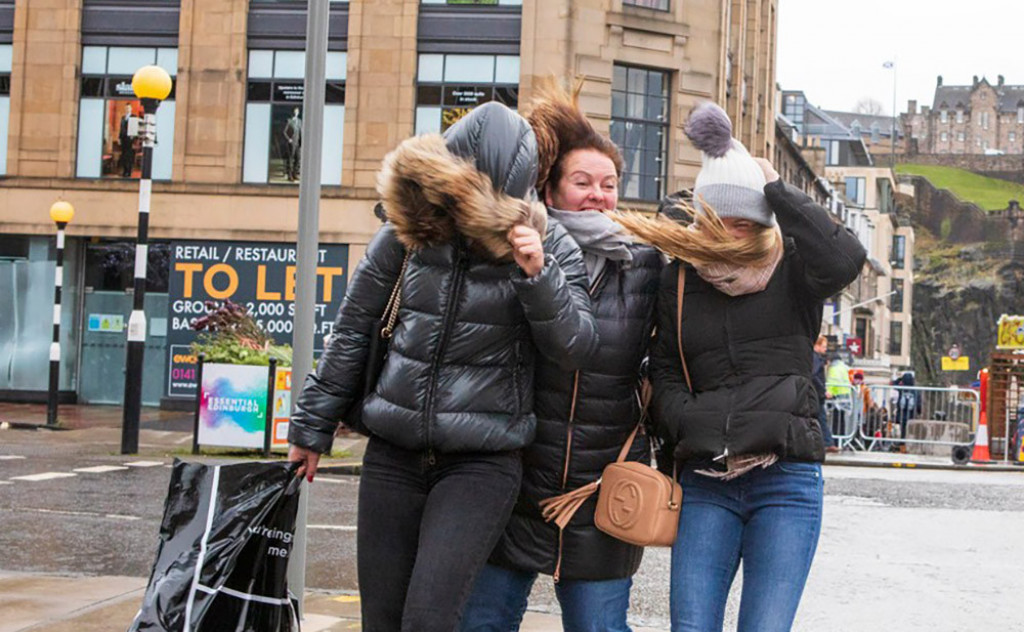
<point>233,405</point>
<point>282,406</point>
<point>1011,332</point>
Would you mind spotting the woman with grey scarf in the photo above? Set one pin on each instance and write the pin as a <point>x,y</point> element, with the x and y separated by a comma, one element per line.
<point>583,417</point>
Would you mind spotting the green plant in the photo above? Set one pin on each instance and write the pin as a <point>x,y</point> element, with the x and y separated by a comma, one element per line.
<point>232,336</point>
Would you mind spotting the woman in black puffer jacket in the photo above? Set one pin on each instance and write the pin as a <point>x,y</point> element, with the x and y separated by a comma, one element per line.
<point>740,415</point>
<point>454,403</point>
<point>583,417</point>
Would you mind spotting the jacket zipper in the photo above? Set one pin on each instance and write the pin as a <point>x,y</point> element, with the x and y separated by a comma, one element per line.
<point>516,369</point>
<point>572,417</point>
<point>732,363</point>
<point>446,330</point>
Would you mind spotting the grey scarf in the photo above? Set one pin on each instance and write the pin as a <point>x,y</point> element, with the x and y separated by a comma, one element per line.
<point>599,238</point>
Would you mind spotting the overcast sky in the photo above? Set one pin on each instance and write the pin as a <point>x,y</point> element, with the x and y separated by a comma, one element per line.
<point>833,50</point>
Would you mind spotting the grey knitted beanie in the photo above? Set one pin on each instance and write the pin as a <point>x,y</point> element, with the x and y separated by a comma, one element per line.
<point>730,182</point>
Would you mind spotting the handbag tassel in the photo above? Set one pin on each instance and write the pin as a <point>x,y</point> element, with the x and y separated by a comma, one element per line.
<point>561,509</point>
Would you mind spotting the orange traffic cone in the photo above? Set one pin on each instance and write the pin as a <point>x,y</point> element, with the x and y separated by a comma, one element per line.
<point>981,440</point>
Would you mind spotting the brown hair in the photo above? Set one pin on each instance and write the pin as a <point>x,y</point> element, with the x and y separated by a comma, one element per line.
<point>704,242</point>
<point>561,127</point>
<point>821,338</point>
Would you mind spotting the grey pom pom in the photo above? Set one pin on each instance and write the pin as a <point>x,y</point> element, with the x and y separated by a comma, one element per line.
<point>710,129</point>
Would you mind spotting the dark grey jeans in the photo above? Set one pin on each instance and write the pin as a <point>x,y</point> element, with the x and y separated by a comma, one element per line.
<point>425,531</point>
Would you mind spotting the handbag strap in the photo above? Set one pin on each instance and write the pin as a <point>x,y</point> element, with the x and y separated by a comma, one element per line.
<point>390,315</point>
<point>680,287</point>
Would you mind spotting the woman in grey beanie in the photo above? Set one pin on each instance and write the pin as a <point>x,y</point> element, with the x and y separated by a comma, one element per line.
<point>731,363</point>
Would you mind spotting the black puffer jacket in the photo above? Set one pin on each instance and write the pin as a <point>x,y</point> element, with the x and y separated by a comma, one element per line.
<point>750,356</point>
<point>459,372</point>
<point>574,443</point>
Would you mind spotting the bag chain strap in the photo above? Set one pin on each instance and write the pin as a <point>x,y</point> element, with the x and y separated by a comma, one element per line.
<point>391,311</point>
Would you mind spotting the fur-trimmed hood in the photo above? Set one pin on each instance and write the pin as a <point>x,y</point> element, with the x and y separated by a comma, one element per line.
<point>432,195</point>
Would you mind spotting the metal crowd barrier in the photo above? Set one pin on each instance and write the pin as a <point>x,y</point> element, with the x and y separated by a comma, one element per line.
<point>843,413</point>
<point>919,419</point>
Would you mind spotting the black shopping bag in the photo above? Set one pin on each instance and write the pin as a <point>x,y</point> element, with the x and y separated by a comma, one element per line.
<point>222,560</point>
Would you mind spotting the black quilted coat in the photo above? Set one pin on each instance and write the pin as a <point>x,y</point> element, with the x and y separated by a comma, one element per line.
<point>577,437</point>
<point>750,357</point>
<point>460,369</point>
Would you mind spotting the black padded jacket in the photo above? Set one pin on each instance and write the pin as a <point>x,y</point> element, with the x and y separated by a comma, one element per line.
<point>460,365</point>
<point>583,419</point>
<point>750,356</point>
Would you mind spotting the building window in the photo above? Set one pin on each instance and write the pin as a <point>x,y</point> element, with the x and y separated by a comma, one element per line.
<point>959,116</point>
<point>896,299</point>
<point>109,115</point>
<point>660,5</point>
<point>1020,115</point>
<point>640,128</point>
<point>793,108</point>
<point>273,117</point>
<point>899,251</point>
<point>449,86</point>
<point>5,102</point>
<point>875,133</point>
<point>960,137</point>
<point>1013,137</point>
<point>896,338</point>
<point>473,2</point>
<point>943,116</point>
<point>984,120</point>
<point>855,191</point>
<point>944,137</point>
<point>832,152</point>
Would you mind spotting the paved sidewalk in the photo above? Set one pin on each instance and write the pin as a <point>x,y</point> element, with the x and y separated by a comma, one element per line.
<point>62,603</point>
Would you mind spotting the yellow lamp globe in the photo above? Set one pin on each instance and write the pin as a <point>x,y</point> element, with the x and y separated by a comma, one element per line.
<point>151,82</point>
<point>61,212</point>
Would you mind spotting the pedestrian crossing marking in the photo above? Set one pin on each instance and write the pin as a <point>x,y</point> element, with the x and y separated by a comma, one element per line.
<point>144,463</point>
<point>100,469</point>
<point>45,476</point>
<point>10,457</point>
<point>346,599</point>
<point>331,527</point>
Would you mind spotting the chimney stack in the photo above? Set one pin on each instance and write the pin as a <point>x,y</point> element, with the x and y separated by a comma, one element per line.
<point>912,106</point>
<point>975,83</point>
<point>939,82</point>
<point>1002,80</point>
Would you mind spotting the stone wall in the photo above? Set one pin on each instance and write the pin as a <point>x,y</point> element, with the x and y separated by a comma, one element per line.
<point>951,219</point>
<point>978,163</point>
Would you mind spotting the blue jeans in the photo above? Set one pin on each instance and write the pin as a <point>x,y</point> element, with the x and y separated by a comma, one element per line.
<point>499,599</point>
<point>769,518</point>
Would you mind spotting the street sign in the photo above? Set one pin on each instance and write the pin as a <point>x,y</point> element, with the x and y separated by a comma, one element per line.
<point>855,346</point>
<point>1010,333</point>
<point>959,363</point>
<point>260,277</point>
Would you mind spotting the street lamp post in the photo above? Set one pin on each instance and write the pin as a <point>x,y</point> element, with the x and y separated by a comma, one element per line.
<point>152,85</point>
<point>61,213</point>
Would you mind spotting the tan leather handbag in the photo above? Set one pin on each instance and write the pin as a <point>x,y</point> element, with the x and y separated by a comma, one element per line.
<point>636,503</point>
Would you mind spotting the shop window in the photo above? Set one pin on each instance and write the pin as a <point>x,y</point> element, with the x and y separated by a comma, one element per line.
<point>273,117</point>
<point>449,86</point>
<point>109,115</point>
<point>110,266</point>
<point>639,127</point>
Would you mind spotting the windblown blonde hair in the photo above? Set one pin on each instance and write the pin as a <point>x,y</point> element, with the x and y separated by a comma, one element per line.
<point>705,241</point>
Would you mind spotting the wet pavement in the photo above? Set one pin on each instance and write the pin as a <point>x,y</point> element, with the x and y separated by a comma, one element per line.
<point>901,549</point>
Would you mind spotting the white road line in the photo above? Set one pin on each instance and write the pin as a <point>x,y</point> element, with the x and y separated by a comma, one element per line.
<point>10,457</point>
<point>331,527</point>
<point>91,514</point>
<point>185,439</point>
<point>100,469</point>
<point>6,483</point>
<point>45,476</point>
<point>144,463</point>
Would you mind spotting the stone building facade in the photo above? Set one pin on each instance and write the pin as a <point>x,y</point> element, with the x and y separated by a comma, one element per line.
<point>980,118</point>
<point>225,166</point>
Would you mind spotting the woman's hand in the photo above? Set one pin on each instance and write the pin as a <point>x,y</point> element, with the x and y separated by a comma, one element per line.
<point>527,249</point>
<point>770,174</point>
<point>308,458</point>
